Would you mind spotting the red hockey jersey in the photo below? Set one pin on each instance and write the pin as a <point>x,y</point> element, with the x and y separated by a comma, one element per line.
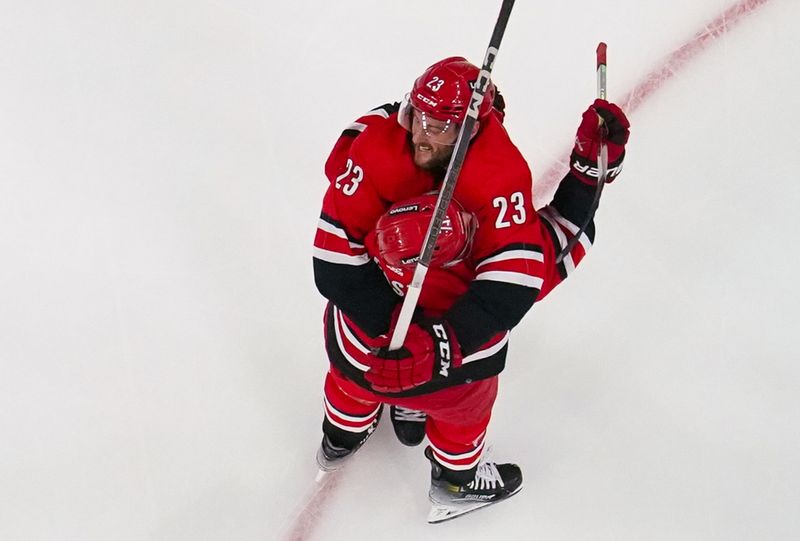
<point>510,265</point>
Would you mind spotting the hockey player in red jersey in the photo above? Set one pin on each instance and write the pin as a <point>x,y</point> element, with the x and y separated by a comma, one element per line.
<point>494,259</point>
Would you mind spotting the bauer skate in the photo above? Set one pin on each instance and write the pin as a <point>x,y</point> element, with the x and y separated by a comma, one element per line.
<point>409,425</point>
<point>492,483</point>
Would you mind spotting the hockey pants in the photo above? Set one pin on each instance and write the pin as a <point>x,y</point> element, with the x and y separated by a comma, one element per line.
<point>456,424</point>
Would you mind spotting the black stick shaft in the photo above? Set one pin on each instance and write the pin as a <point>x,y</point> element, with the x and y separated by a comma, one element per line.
<point>450,178</point>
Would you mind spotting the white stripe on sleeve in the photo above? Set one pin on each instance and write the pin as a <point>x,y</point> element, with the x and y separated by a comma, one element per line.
<point>348,333</point>
<point>347,356</point>
<point>340,258</point>
<point>488,352</point>
<point>569,264</point>
<point>569,226</point>
<point>513,254</point>
<point>518,278</point>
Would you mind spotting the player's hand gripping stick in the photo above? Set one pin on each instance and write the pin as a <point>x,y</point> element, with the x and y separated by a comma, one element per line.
<point>602,157</point>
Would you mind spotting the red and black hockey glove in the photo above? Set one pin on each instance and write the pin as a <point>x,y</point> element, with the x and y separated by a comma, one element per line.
<point>430,352</point>
<point>614,130</point>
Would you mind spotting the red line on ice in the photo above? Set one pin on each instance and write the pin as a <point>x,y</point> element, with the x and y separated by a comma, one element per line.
<point>310,512</point>
<point>657,77</point>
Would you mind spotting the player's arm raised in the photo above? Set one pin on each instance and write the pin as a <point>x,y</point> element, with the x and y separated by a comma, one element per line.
<point>572,204</point>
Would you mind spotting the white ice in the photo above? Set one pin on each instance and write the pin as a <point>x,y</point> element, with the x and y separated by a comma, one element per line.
<point>161,357</point>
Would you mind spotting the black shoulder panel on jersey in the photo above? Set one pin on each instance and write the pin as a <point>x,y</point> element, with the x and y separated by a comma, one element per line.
<point>389,108</point>
<point>488,308</point>
<point>361,291</point>
<point>383,110</point>
<point>573,200</point>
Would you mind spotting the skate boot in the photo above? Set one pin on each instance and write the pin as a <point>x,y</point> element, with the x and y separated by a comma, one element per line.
<point>409,425</point>
<point>337,444</point>
<point>492,483</point>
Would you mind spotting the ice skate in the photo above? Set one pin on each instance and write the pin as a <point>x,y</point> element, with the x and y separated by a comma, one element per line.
<point>409,425</point>
<point>331,456</point>
<point>492,483</point>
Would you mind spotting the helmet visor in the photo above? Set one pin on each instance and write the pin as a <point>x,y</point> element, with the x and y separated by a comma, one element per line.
<point>442,132</point>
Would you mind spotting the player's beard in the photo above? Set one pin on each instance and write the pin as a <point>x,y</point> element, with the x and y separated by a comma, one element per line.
<point>431,157</point>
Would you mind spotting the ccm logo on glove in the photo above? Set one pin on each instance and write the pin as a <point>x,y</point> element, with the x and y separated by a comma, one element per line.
<point>430,352</point>
<point>444,348</point>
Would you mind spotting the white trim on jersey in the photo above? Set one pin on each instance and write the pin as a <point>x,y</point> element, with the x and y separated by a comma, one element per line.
<point>357,126</point>
<point>348,333</point>
<point>513,254</point>
<point>347,356</point>
<point>572,228</point>
<point>340,258</point>
<point>332,229</point>
<point>518,278</point>
<point>569,264</point>
<point>488,352</point>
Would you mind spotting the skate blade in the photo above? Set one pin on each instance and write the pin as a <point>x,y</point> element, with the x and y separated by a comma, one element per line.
<point>441,512</point>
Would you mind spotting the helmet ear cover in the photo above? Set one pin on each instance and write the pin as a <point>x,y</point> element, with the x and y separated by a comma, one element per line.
<point>400,233</point>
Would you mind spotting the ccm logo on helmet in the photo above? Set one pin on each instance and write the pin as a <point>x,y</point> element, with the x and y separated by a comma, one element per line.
<point>432,103</point>
<point>444,348</point>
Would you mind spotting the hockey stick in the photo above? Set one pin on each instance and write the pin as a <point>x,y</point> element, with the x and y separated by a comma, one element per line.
<point>602,156</point>
<point>450,178</point>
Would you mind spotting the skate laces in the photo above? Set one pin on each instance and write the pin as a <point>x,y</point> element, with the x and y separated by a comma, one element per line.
<point>405,414</point>
<point>487,477</point>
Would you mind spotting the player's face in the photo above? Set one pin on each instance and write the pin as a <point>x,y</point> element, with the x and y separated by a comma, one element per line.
<point>432,140</point>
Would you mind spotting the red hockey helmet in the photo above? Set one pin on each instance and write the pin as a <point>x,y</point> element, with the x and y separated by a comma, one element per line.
<point>444,90</point>
<point>400,232</point>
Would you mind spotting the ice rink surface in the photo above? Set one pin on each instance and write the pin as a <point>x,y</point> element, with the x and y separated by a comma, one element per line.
<point>161,357</point>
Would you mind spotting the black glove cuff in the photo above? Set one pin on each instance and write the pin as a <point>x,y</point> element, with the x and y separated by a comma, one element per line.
<point>587,169</point>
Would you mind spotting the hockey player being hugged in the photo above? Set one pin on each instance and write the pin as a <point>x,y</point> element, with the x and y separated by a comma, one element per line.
<point>495,257</point>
